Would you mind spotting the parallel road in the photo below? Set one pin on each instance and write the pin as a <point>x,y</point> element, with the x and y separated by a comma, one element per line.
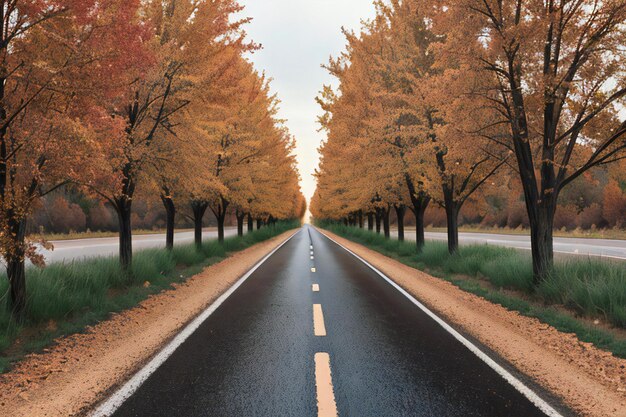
<point>313,331</point>
<point>608,248</point>
<point>68,250</point>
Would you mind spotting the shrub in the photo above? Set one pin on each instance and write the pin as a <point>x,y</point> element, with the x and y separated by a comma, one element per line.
<point>565,218</point>
<point>590,216</point>
<point>65,216</point>
<point>614,205</point>
<point>517,215</point>
<point>102,218</point>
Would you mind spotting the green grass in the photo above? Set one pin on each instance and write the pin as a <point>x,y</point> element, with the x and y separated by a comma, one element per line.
<point>588,287</point>
<point>63,298</point>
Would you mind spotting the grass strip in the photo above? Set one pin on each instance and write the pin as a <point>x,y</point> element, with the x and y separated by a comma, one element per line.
<point>588,287</point>
<point>65,297</point>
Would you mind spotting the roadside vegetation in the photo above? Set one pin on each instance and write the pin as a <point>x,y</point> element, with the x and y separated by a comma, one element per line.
<point>502,113</point>
<point>111,108</point>
<point>575,293</point>
<point>63,298</point>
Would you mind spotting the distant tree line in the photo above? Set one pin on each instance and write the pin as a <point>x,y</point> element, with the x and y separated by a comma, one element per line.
<point>592,202</point>
<point>70,212</point>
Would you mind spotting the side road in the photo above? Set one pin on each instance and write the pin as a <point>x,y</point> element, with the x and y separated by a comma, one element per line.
<point>588,380</point>
<point>82,369</point>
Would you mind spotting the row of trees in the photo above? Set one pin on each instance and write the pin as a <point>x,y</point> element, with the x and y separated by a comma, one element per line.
<point>437,97</point>
<point>595,201</point>
<point>116,96</point>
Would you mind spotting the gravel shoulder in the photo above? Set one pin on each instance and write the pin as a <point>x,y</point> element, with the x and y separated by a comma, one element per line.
<point>80,370</point>
<point>588,380</point>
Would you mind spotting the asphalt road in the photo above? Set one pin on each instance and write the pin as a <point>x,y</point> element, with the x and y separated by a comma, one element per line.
<point>263,351</point>
<point>615,249</point>
<point>68,250</point>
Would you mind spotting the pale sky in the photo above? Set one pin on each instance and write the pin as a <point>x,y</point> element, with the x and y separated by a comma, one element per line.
<point>297,37</point>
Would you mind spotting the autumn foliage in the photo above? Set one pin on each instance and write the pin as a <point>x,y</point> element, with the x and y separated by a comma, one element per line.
<point>439,99</point>
<point>122,98</point>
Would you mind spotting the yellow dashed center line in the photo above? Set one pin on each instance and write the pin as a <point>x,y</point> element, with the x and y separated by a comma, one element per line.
<point>326,405</point>
<point>318,320</point>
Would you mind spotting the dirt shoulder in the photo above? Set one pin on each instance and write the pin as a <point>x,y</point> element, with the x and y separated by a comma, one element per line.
<point>590,381</point>
<point>80,370</point>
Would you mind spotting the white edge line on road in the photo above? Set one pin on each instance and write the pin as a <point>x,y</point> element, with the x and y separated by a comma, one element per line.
<point>532,396</point>
<point>110,405</point>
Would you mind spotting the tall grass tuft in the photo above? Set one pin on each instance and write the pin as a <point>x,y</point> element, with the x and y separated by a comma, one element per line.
<point>589,286</point>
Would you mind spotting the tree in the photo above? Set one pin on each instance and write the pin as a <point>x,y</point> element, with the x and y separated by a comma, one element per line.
<point>54,56</point>
<point>206,40</point>
<point>400,60</point>
<point>555,76</point>
<point>193,42</point>
<point>402,112</point>
<point>343,186</point>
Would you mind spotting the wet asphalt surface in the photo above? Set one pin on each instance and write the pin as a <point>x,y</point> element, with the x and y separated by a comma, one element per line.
<point>254,355</point>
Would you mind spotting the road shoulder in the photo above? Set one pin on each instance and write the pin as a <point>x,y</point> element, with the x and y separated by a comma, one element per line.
<point>81,370</point>
<point>588,380</point>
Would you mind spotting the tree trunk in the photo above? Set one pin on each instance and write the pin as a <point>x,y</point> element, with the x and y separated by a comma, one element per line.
<point>360,219</point>
<point>16,271</point>
<point>452,220</point>
<point>17,282</point>
<point>170,219</point>
<point>420,201</point>
<point>123,207</point>
<point>386,228</point>
<point>240,218</point>
<point>378,218</point>
<point>420,238</point>
<point>400,211</point>
<point>370,221</point>
<point>220,227</point>
<point>541,231</point>
<point>219,211</point>
<point>258,223</point>
<point>250,223</point>
<point>198,208</point>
